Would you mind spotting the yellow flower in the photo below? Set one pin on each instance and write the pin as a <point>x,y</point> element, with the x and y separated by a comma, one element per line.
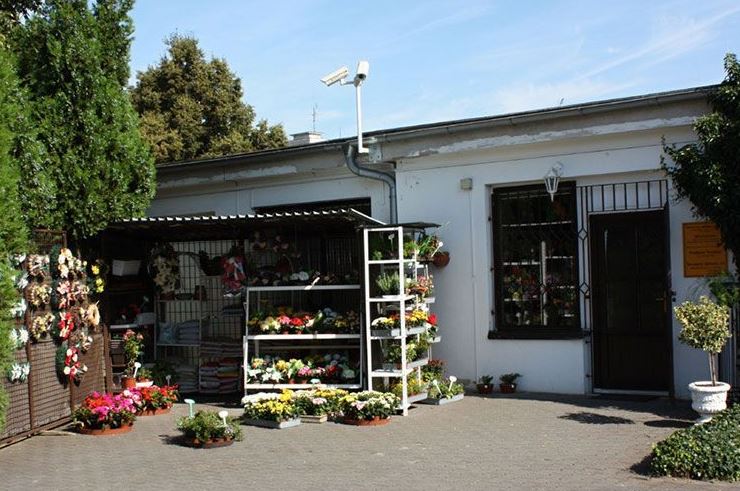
<point>95,269</point>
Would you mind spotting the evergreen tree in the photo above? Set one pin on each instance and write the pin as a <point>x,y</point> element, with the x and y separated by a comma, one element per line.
<point>13,234</point>
<point>92,166</point>
<point>193,108</point>
<point>708,172</point>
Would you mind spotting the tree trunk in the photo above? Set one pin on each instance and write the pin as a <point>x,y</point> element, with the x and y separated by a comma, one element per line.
<point>713,368</point>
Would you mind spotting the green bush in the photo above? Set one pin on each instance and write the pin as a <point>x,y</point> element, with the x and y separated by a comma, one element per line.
<point>708,451</point>
<point>206,425</point>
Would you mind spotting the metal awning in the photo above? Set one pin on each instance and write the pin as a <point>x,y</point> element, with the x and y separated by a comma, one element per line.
<point>174,228</point>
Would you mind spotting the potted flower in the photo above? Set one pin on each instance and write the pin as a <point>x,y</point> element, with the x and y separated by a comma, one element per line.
<point>388,284</point>
<point>133,346</point>
<point>311,407</point>
<point>484,384</point>
<point>144,378</point>
<point>508,382</point>
<point>445,391</point>
<point>368,408</point>
<point>271,410</point>
<point>106,414</point>
<point>705,326</point>
<point>157,400</point>
<point>208,429</point>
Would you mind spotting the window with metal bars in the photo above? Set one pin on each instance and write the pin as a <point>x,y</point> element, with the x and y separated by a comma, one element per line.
<point>535,244</point>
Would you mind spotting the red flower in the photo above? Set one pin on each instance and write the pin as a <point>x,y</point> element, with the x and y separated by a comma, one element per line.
<point>432,319</point>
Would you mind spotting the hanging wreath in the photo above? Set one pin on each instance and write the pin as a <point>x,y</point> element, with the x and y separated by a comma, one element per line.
<point>41,326</point>
<point>91,315</point>
<point>66,324</point>
<point>39,295</point>
<point>70,293</point>
<point>69,366</point>
<point>38,265</point>
<point>18,372</point>
<point>19,337</point>
<point>69,266</point>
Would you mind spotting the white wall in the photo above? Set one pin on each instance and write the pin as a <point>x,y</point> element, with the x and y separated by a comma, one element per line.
<point>429,190</point>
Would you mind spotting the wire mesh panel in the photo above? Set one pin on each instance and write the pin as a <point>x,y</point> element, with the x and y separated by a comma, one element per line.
<point>51,398</point>
<point>17,417</point>
<point>94,378</point>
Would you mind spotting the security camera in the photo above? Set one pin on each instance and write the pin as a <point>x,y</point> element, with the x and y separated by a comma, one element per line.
<point>362,69</point>
<point>335,76</point>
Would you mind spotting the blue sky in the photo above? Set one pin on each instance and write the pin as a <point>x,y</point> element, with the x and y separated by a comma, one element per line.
<point>436,61</point>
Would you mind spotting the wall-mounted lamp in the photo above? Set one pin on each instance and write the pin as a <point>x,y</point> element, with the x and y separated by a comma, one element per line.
<point>552,179</point>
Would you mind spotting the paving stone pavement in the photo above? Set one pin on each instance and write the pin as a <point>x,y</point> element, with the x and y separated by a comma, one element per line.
<point>499,442</point>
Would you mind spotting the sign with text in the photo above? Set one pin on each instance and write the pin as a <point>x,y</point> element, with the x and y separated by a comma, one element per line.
<point>703,251</point>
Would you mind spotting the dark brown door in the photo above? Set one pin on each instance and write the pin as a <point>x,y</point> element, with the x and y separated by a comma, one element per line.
<point>629,297</point>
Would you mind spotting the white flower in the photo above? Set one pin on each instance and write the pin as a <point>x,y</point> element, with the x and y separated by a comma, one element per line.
<point>67,370</point>
<point>69,351</point>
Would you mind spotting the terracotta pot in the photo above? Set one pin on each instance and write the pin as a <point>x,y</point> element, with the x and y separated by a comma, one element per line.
<point>485,388</point>
<point>128,382</point>
<point>291,381</point>
<point>212,443</point>
<point>155,412</point>
<point>507,388</point>
<point>106,431</point>
<point>376,421</point>
<point>441,259</point>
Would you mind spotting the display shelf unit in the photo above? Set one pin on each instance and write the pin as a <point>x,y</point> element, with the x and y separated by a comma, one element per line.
<point>296,342</point>
<point>377,340</point>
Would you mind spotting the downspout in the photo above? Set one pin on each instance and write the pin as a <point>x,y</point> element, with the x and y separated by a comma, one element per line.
<point>387,177</point>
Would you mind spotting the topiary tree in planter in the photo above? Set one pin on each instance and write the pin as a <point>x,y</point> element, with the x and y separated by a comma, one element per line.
<point>705,326</point>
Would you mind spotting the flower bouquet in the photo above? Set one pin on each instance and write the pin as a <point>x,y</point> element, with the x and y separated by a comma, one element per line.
<point>208,429</point>
<point>368,408</point>
<point>106,414</point>
<point>271,410</point>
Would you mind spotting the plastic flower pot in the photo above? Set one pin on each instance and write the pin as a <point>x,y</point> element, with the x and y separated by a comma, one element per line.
<point>106,431</point>
<point>155,412</point>
<point>128,382</point>
<point>376,421</point>
<point>484,388</point>
<point>507,388</point>
<point>212,443</point>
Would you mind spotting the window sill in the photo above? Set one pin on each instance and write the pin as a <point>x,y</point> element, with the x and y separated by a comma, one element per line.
<point>534,333</point>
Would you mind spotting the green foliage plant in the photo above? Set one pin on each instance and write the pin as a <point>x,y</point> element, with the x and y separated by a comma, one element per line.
<point>388,283</point>
<point>706,451</point>
<point>207,425</point>
<point>509,378</point>
<point>85,164</point>
<point>485,379</point>
<point>192,108</point>
<point>445,389</point>
<point>705,326</point>
<point>707,172</point>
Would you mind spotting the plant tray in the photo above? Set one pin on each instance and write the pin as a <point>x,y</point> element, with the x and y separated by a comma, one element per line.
<point>443,401</point>
<point>212,443</point>
<point>310,418</point>
<point>263,423</point>
<point>106,431</point>
<point>155,412</point>
<point>367,422</point>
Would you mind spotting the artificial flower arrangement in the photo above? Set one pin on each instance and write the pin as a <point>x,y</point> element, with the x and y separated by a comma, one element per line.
<point>38,265</point>
<point>106,411</point>
<point>41,326</point>
<point>39,294</point>
<point>18,372</point>
<point>66,324</point>
<point>368,405</point>
<point>164,267</point>
<point>69,266</point>
<point>18,310</point>
<point>19,337</point>
<point>234,275</point>
<point>68,363</point>
<point>270,406</point>
<point>71,293</point>
<point>98,272</point>
<point>207,427</point>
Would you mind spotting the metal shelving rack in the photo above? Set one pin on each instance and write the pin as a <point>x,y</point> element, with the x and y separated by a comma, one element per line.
<point>407,268</point>
<point>298,340</point>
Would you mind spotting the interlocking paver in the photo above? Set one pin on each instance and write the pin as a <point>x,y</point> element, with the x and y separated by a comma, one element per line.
<point>522,442</point>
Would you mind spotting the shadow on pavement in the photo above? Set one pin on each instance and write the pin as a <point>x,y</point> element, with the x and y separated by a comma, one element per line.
<point>596,419</point>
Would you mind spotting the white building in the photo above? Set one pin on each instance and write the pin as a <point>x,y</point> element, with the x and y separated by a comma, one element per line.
<point>574,294</point>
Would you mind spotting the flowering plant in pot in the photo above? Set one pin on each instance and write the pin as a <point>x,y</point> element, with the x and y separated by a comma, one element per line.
<point>368,408</point>
<point>270,410</point>
<point>311,407</point>
<point>445,390</point>
<point>508,382</point>
<point>157,400</point>
<point>102,414</point>
<point>705,326</point>
<point>484,384</point>
<point>388,284</point>
<point>133,346</point>
<point>207,429</point>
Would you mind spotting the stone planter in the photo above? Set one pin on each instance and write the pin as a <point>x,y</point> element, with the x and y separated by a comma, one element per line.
<point>155,412</point>
<point>311,418</point>
<point>708,399</point>
<point>376,421</point>
<point>263,423</point>
<point>106,431</point>
<point>144,383</point>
